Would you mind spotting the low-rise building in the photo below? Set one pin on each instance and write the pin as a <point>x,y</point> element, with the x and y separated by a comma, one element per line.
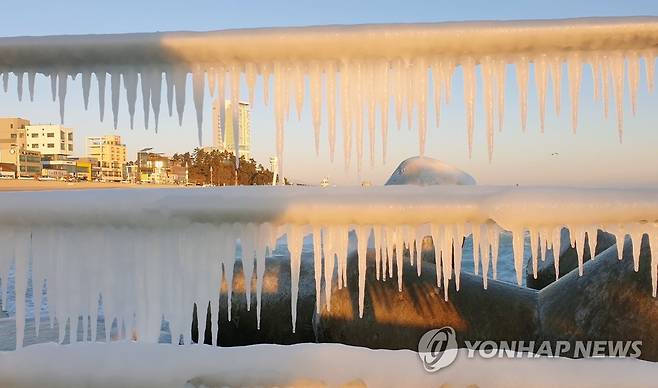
<point>153,167</point>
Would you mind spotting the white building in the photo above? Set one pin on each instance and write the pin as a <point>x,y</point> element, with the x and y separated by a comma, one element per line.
<point>223,124</point>
<point>52,140</point>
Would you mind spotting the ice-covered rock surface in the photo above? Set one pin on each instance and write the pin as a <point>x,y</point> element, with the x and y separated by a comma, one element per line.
<point>149,252</point>
<point>365,75</point>
<point>426,171</point>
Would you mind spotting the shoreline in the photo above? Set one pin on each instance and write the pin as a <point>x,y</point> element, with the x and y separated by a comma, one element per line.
<point>36,185</point>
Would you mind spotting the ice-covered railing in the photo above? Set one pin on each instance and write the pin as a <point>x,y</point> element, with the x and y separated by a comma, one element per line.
<point>153,253</point>
<point>359,73</point>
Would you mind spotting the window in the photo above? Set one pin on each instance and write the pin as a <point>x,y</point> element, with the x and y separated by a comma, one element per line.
<point>11,126</point>
<point>35,135</point>
<point>50,134</point>
<point>71,136</point>
<point>51,145</point>
<point>61,147</point>
<point>13,136</point>
<point>70,147</point>
<point>35,145</point>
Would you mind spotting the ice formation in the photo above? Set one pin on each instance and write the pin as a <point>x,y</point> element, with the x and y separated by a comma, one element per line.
<point>154,253</point>
<point>122,364</point>
<point>361,73</point>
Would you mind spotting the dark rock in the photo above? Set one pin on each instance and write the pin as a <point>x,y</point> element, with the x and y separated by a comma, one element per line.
<point>609,302</point>
<point>397,320</point>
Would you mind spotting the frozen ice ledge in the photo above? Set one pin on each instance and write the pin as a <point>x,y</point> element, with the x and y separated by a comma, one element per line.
<point>358,76</point>
<point>147,253</point>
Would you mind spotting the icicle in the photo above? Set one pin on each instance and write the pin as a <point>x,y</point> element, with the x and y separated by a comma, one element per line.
<point>541,82</point>
<point>169,79</point>
<point>5,82</point>
<point>61,93</point>
<point>317,264</point>
<point>21,253</point>
<point>370,98</point>
<point>617,70</point>
<point>605,88</point>
<point>30,83</point>
<point>264,233</point>
<point>556,77</point>
<point>86,84</point>
<point>101,77</point>
<point>575,66</point>
<point>250,77</point>
<point>248,242</point>
<point>534,251</point>
<point>53,84</point>
<point>384,107</point>
<point>522,81</point>
<point>468,66</point>
<point>649,67</point>
<point>115,79</point>
<point>155,83</point>
<point>595,66</point>
<point>298,79</point>
<point>295,238</point>
<point>633,78</point>
<point>458,237</point>
<point>198,90</point>
<point>330,75</point>
<point>316,100</point>
<point>518,237</point>
<point>500,68</point>
<point>328,234</point>
<point>180,83</point>
<point>20,77</point>
<point>362,234</point>
<point>436,233</point>
<point>437,73</point>
<point>591,241</point>
<point>475,230</point>
<point>636,240</point>
<point>556,235</point>
<point>346,114</point>
<point>486,69</point>
<point>130,84</point>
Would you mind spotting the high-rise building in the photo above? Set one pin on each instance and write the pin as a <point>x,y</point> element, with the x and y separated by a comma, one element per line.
<point>111,156</point>
<point>223,123</point>
<point>54,141</point>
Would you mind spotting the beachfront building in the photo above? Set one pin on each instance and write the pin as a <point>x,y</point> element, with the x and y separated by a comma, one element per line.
<point>223,123</point>
<point>153,167</point>
<point>53,141</point>
<point>111,156</point>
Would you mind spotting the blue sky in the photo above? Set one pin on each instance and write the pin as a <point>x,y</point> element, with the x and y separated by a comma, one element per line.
<point>592,157</point>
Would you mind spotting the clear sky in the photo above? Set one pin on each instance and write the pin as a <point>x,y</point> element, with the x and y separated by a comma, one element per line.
<point>592,157</point>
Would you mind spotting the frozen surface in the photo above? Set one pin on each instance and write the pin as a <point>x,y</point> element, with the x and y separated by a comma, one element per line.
<point>425,171</point>
<point>146,253</point>
<point>361,74</point>
<point>121,364</point>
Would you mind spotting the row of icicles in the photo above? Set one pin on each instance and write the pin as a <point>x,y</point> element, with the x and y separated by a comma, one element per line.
<point>361,91</point>
<point>156,272</point>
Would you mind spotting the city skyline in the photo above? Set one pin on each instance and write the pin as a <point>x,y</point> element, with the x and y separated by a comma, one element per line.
<point>560,151</point>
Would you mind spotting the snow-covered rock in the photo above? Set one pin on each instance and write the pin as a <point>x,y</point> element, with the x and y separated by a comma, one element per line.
<point>424,171</point>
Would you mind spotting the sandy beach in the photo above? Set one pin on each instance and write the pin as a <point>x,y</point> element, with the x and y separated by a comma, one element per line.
<point>36,185</point>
